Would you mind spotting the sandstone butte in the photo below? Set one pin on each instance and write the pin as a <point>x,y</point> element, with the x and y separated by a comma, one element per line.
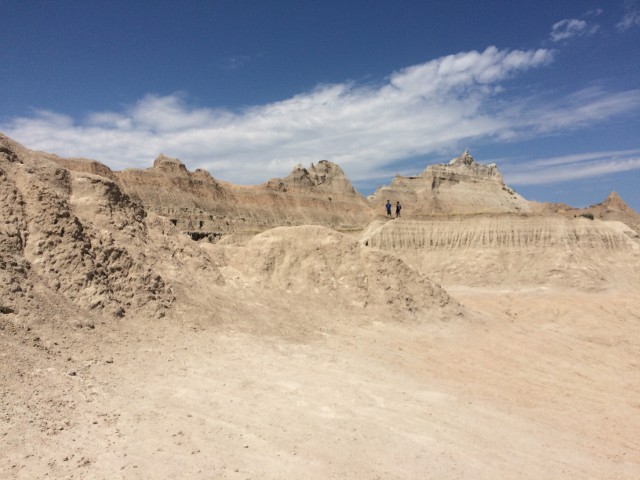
<point>160,323</point>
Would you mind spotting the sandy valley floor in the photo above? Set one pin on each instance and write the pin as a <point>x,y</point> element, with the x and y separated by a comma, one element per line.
<point>526,384</point>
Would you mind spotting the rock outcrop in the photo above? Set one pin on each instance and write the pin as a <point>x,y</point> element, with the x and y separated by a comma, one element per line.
<point>73,236</point>
<point>203,207</point>
<point>326,176</point>
<point>460,187</point>
<point>194,201</point>
<point>612,208</point>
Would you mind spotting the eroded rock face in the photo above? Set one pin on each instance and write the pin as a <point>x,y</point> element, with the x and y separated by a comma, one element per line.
<point>75,233</point>
<point>87,166</point>
<point>194,202</point>
<point>462,186</point>
<point>612,208</point>
<point>203,207</point>
<point>325,176</point>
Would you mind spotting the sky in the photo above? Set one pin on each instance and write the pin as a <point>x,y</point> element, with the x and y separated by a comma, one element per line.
<point>247,89</point>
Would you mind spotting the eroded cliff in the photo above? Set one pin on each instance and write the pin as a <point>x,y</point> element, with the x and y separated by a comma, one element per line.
<point>204,207</point>
<point>460,187</point>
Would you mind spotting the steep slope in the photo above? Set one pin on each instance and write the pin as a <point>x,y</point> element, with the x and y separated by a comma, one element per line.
<point>462,186</point>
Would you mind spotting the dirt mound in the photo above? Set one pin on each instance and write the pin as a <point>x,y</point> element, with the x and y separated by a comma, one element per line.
<point>318,262</point>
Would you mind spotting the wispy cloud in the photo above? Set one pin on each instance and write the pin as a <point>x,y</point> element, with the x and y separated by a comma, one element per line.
<point>423,109</point>
<point>577,110</point>
<point>631,19</point>
<point>571,167</point>
<point>573,27</point>
<point>235,62</point>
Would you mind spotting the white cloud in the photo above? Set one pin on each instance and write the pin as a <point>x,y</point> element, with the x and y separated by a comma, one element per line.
<point>572,167</point>
<point>420,109</point>
<point>568,28</point>
<point>235,62</point>
<point>630,20</point>
<point>427,108</point>
<point>578,110</point>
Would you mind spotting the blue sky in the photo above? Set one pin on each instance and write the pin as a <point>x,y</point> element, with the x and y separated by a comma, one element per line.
<point>247,89</point>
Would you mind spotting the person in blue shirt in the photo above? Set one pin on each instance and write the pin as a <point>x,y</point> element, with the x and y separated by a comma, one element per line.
<point>388,205</point>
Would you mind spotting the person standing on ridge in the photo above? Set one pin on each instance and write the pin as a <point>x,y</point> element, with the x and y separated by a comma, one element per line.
<point>398,208</point>
<point>388,206</point>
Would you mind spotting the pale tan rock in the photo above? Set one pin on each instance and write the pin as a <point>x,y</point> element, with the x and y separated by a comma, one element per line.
<point>484,346</point>
<point>460,187</point>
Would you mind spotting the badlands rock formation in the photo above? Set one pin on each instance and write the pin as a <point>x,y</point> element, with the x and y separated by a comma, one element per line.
<point>74,234</point>
<point>460,187</point>
<point>478,336</point>
<point>203,207</point>
<point>612,208</point>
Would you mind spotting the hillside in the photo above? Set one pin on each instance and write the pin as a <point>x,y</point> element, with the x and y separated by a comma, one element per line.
<point>306,336</point>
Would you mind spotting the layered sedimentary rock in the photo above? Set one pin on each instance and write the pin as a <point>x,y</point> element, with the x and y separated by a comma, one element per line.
<point>207,208</point>
<point>204,207</point>
<point>511,250</point>
<point>462,186</point>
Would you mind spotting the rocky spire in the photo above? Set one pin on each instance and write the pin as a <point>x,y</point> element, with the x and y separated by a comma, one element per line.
<point>169,164</point>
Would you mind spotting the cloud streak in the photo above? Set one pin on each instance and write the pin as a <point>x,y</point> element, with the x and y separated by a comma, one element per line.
<point>631,19</point>
<point>572,167</point>
<point>423,109</point>
<point>572,27</point>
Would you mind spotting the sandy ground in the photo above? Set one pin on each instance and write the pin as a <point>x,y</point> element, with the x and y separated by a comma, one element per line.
<point>528,384</point>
